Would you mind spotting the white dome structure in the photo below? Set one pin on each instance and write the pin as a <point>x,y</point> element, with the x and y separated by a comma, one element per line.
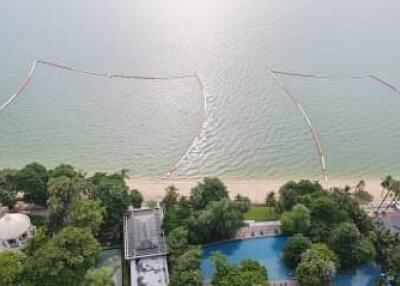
<point>15,231</point>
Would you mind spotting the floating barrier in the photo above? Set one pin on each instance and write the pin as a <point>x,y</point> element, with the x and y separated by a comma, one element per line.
<point>314,133</point>
<point>202,124</point>
<point>384,82</point>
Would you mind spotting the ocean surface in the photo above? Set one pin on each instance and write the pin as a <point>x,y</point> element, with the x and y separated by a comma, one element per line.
<point>251,129</point>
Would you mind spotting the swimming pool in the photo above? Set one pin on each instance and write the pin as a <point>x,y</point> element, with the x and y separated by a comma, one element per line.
<point>269,252</point>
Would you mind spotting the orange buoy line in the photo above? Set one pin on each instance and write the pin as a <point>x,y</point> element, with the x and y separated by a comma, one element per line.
<point>313,130</point>
<point>321,76</point>
<point>35,63</point>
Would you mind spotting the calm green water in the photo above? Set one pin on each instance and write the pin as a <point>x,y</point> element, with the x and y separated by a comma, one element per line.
<point>253,130</point>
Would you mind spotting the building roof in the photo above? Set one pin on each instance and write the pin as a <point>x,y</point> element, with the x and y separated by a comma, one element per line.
<point>143,235</point>
<point>13,225</point>
<point>149,271</point>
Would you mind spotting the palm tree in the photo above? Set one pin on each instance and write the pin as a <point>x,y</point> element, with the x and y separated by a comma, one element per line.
<point>395,188</point>
<point>386,185</point>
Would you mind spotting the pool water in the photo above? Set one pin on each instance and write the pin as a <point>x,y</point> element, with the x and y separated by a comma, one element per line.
<point>269,252</point>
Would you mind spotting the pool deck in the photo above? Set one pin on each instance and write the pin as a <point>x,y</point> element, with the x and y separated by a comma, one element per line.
<point>258,229</point>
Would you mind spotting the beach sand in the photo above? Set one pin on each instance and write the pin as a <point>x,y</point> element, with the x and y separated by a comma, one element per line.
<point>256,190</point>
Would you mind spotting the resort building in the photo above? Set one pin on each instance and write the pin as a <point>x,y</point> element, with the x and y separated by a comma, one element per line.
<point>15,230</point>
<point>145,247</point>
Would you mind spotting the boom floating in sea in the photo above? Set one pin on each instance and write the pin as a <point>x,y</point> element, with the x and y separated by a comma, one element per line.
<point>194,76</point>
<point>313,130</point>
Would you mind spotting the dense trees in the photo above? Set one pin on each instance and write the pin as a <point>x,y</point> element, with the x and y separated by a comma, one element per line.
<point>298,220</point>
<point>11,268</point>
<point>219,220</point>
<point>86,213</point>
<point>335,219</point>
<point>318,266</point>
<point>32,181</point>
<point>207,215</point>
<point>247,273</point>
<point>115,197</point>
<point>64,259</point>
<point>351,248</point>
<point>294,248</point>
<point>99,277</point>
<point>211,189</point>
<point>64,251</point>
<point>186,269</point>
<point>270,200</point>
<point>293,193</point>
<point>8,190</point>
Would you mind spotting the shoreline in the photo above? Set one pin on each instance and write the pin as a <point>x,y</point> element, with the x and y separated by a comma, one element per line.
<point>255,189</point>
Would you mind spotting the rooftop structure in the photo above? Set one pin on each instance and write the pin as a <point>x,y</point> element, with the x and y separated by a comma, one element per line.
<point>15,231</point>
<point>145,247</point>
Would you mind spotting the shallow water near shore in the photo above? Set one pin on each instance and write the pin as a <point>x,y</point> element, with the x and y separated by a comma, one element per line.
<point>254,131</point>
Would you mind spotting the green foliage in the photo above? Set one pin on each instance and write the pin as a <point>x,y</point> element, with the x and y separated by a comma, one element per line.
<point>176,216</point>
<point>352,250</point>
<point>211,189</point>
<point>136,198</point>
<point>298,220</point>
<point>247,273</point>
<point>32,181</point>
<point>64,170</point>
<point>394,264</point>
<point>114,195</point>
<point>325,209</point>
<point>293,193</point>
<point>8,191</point>
<point>186,269</point>
<point>261,213</point>
<point>270,200</point>
<point>294,248</point>
<point>177,241</point>
<point>385,241</point>
<point>64,259</point>
<point>99,277</point>
<point>86,213</point>
<point>219,220</point>
<point>40,238</point>
<point>242,203</point>
<point>62,192</point>
<point>171,197</point>
<point>317,266</point>
<point>11,268</point>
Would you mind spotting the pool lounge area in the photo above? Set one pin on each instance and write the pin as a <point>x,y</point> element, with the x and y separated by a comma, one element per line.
<point>269,252</point>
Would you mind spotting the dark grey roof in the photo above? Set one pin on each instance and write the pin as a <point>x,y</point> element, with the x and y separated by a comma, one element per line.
<point>143,235</point>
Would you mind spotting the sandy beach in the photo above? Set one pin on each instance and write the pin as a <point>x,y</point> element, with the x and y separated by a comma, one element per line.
<point>256,190</point>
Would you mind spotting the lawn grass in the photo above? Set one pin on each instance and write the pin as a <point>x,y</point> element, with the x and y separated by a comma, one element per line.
<point>261,213</point>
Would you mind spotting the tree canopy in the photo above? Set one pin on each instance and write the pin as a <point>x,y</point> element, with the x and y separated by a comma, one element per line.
<point>294,249</point>
<point>86,213</point>
<point>247,273</point>
<point>219,220</point>
<point>186,269</point>
<point>11,268</point>
<point>211,189</point>
<point>318,266</point>
<point>298,220</point>
<point>352,250</point>
<point>64,259</point>
<point>98,277</point>
<point>32,181</point>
